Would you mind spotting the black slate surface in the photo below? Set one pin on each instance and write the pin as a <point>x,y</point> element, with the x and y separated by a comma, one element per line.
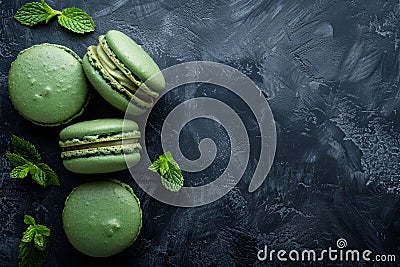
<point>330,71</point>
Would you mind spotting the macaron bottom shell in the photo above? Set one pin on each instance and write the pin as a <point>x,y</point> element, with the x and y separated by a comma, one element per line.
<point>101,164</point>
<point>102,218</point>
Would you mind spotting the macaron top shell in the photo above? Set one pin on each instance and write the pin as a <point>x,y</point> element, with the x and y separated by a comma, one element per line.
<point>102,218</point>
<point>99,126</point>
<point>135,58</point>
<point>47,84</point>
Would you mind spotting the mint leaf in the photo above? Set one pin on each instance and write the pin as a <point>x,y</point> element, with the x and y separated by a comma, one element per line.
<point>51,176</point>
<point>31,14</point>
<point>30,256</point>
<point>27,159</point>
<point>21,171</point>
<point>46,6</point>
<point>25,149</point>
<point>170,159</point>
<point>38,175</point>
<point>28,234</point>
<point>16,159</point>
<point>34,245</point>
<point>39,241</point>
<point>43,230</point>
<point>171,174</point>
<point>170,185</point>
<point>76,20</point>
<point>29,220</point>
<point>155,166</point>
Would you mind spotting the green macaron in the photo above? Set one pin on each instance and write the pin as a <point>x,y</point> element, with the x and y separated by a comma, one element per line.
<point>102,218</point>
<point>47,84</point>
<point>120,70</point>
<point>100,146</point>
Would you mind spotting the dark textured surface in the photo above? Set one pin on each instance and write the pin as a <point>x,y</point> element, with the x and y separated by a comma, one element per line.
<point>330,70</point>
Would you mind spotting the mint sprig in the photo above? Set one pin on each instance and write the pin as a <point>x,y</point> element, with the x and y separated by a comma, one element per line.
<point>73,19</point>
<point>34,245</point>
<point>171,174</point>
<point>27,160</point>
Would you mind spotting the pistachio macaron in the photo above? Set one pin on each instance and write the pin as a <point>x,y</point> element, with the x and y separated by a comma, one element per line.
<point>100,146</point>
<point>47,84</point>
<point>120,70</point>
<point>102,218</point>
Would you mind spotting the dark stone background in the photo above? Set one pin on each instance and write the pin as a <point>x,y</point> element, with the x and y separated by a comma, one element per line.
<point>330,71</point>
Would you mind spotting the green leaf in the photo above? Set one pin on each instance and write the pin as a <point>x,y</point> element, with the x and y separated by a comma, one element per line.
<point>170,159</point>
<point>29,220</point>
<point>164,166</point>
<point>46,6</point>
<point>16,159</point>
<point>27,236</point>
<point>43,230</point>
<point>33,13</point>
<point>170,185</point>
<point>38,175</point>
<point>171,174</point>
<point>30,256</point>
<point>34,245</point>
<point>20,171</point>
<point>25,149</point>
<point>76,20</point>
<point>155,166</point>
<point>51,176</point>
<point>39,242</point>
